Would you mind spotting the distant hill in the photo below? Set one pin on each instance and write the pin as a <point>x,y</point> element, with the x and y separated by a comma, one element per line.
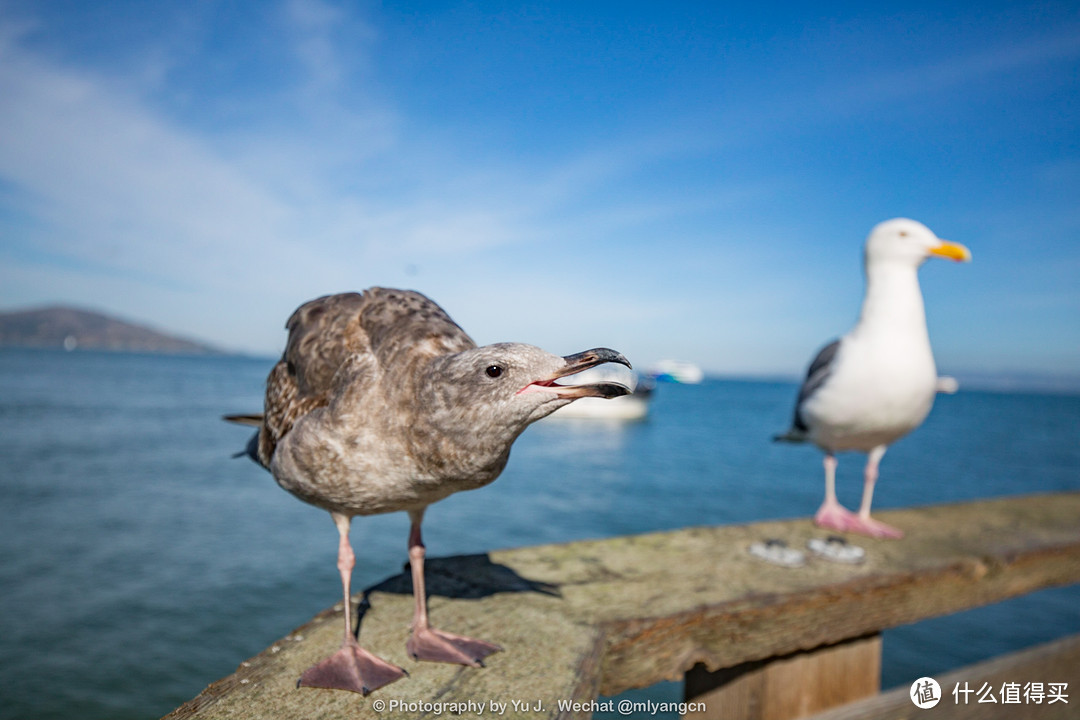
<point>70,328</point>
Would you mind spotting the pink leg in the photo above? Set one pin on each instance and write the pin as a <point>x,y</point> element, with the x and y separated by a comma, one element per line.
<point>832,514</point>
<point>427,643</point>
<point>351,667</point>
<point>864,523</point>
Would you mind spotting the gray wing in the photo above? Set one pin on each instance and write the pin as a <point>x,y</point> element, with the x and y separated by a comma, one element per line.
<point>819,371</point>
<point>340,340</point>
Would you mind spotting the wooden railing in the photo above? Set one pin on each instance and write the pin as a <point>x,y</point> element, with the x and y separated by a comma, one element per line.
<point>752,640</point>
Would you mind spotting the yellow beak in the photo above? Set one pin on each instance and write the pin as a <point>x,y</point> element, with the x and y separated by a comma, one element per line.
<point>951,250</point>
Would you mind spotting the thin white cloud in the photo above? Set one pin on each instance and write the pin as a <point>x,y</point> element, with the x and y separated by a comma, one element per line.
<point>316,29</point>
<point>930,79</point>
<point>118,188</point>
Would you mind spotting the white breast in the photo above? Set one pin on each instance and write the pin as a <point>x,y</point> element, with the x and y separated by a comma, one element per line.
<point>879,389</point>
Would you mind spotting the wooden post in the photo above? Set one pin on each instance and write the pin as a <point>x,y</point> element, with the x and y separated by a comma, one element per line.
<point>788,687</point>
<point>1059,660</point>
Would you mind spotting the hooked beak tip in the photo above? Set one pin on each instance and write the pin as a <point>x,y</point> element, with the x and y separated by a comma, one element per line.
<point>591,358</point>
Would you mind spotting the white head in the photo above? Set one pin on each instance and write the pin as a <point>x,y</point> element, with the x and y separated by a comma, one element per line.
<point>910,243</point>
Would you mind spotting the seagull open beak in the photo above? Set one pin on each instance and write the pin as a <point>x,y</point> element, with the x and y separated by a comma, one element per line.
<point>951,250</point>
<point>575,364</point>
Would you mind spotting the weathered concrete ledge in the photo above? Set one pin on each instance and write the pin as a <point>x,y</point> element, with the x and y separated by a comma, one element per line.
<point>599,617</point>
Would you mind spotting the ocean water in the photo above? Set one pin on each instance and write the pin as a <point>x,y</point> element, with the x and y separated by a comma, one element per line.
<point>139,562</point>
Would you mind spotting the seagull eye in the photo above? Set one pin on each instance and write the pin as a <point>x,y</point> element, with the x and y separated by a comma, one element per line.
<point>494,371</point>
<point>903,233</point>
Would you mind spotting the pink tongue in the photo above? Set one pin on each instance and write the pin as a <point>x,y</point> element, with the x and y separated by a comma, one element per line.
<point>544,386</point>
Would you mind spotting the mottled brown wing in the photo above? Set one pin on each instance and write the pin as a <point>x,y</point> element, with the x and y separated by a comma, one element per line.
<point>401,323</point>
<point>323,333</point>
<point>284,406</point>
<point>380,327</point>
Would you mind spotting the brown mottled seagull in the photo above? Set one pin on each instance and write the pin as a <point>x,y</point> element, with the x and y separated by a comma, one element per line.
<point>382,403</point>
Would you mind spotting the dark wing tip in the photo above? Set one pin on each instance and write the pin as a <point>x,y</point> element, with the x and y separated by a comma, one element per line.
<point>794,435</point>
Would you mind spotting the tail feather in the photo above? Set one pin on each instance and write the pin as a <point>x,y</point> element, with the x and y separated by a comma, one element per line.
<point>251,419</point>
<point>794,435</point>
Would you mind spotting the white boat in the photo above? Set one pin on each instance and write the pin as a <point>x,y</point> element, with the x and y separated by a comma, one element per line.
<point>634,406</point>
<point>676,371</point>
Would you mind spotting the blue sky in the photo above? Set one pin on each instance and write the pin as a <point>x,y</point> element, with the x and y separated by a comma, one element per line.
<point>687,180</point>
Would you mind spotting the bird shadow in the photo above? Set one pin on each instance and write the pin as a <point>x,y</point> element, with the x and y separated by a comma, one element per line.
<point>461,577</point>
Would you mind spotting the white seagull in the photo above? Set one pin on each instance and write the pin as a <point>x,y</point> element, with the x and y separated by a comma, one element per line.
<point>877,383</point>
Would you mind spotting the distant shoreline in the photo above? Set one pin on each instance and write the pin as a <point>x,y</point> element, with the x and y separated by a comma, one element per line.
<point>223,354</point>
<point>62,327</point>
